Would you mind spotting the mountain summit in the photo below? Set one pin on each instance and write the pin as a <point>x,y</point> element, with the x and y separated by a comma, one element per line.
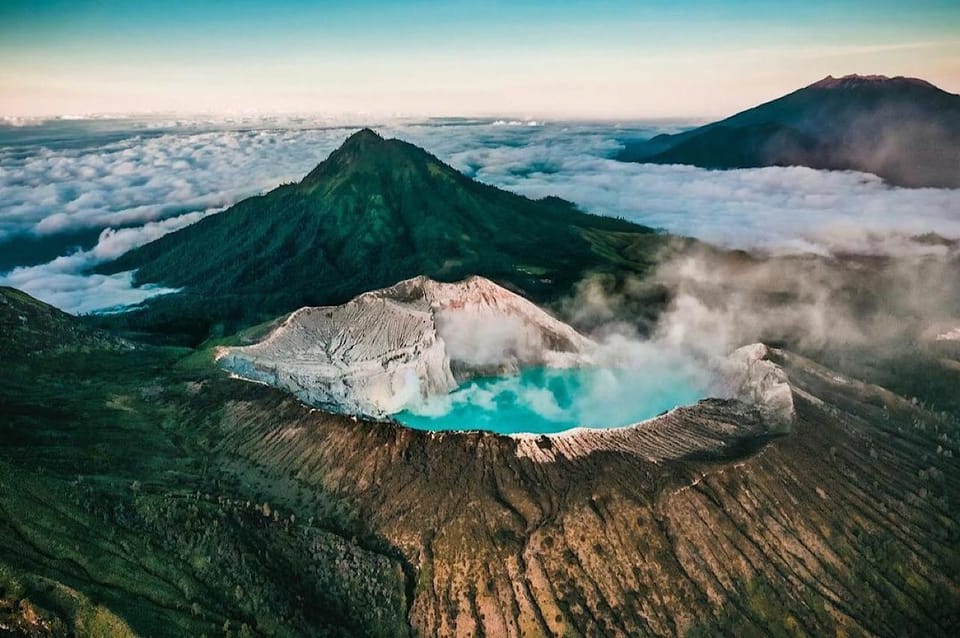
<point>376,211</point>
<point>855,81</point>
<point>367,155</point>
<point>362,143</point>
<point>905,130</point>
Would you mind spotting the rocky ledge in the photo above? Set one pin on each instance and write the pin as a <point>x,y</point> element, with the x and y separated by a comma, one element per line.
<point>372,355</point>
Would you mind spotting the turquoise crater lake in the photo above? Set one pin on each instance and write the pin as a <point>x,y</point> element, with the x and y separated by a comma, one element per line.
<point>549,400</point>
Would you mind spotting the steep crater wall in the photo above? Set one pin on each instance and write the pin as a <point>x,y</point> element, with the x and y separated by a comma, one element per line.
<point>386,349</point>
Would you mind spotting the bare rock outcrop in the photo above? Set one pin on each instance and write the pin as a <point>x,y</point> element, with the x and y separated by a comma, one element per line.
<point>374,354</point>
<point>756,380</point>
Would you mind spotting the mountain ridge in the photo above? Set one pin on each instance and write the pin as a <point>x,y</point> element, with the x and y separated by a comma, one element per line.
<point>905,130</point>
<point>856,79</point>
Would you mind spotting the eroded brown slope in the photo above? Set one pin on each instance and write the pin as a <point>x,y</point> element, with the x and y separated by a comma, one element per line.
<point>848,523</point>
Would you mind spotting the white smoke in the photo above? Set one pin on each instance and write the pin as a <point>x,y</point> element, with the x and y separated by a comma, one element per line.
<point>478,342</point>
<point>722,300</point>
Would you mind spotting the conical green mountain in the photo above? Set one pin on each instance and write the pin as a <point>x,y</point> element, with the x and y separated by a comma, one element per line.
<point>903,129</point>
<point>375,212</point>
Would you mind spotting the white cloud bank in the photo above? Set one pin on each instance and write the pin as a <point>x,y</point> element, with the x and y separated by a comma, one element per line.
<point>785,209</point>
<point>56,186</point>
<point>149,179</point>
<point>66,283</point>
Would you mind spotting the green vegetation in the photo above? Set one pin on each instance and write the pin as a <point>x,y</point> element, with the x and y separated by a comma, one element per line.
<point>121,515</point>
<point>375,212</point>
<point>928,373</point>
<point>29,327</point>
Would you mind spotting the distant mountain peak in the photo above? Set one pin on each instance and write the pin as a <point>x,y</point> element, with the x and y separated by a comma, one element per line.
<point>363,150</point>
<point>905,130</point>
<point>362,141</point>
<point>854,80</point>
<point>363,136</point>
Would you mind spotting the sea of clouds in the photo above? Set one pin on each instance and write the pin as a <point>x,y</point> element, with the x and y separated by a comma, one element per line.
<point>127,182</point>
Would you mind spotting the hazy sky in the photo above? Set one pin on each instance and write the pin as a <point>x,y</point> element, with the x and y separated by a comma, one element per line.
<point>555,58</point>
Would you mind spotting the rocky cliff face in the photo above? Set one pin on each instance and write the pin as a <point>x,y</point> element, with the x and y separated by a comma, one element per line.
<point>712,519</point>
<point>374,354</point>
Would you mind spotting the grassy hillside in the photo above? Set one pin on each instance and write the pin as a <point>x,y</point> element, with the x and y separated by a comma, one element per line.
<point>120,515</point>
<point>33,328</point>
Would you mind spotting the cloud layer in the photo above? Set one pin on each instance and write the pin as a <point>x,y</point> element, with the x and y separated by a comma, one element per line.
<point>57,186</point>
<point>137,180</point>
<point>788,209</point>
<point>66,283</point>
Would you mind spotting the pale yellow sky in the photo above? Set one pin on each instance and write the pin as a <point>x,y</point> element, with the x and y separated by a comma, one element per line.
<point>694,58</point>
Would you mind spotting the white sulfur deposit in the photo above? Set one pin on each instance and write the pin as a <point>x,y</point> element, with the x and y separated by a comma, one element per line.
<point>756,380</point>
<point>374,354</point>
